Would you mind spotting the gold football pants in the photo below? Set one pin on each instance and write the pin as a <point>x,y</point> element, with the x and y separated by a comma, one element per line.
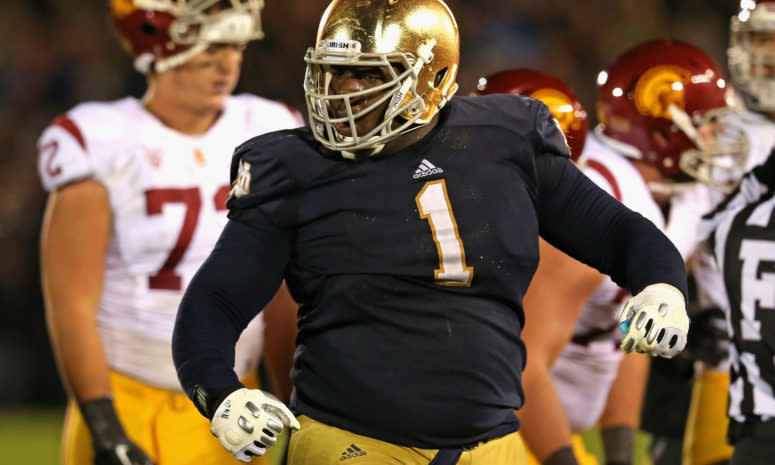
<point>318,444</point>
<point>164,423</point>
<point>705,441</point>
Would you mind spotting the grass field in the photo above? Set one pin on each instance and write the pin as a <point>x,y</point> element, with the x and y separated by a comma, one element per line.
<point>32,436</point>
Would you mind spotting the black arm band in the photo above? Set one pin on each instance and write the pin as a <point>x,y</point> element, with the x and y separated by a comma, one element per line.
<point>562,456</point>
<point>103,423</point>
<point>208,403</point>
<point>618,444</point>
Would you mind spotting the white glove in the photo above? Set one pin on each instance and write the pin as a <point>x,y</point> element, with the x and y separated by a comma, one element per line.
<point>655,321</point>
<point>248,421</point>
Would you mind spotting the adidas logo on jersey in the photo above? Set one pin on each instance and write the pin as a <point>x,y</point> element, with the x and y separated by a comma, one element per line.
<point>426,169</point>
<point>352,452</point>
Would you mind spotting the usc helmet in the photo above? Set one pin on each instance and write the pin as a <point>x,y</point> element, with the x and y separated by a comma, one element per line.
<point>163,34</point>
<point>562,102</point>
<point>654,101</point>
<point>748,64</point>
<point>416,42</point>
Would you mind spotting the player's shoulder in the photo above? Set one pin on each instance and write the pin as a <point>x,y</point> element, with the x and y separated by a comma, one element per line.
<point>273,167</point>
<point>512,120</point>
<point>512,112</point>
<point>264,112</point>
<point>99,118</point>
<point>611,170</point>
<point>78,143</point>
<point>93,122</point>
<point>293,152</point>
<point>251,102</point>
<point>278,144</point>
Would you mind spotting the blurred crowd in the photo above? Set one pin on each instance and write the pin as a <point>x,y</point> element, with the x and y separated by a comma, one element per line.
<point>55,54</point>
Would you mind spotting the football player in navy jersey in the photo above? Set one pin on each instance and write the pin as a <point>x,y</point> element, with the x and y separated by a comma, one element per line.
<point>406,224</point>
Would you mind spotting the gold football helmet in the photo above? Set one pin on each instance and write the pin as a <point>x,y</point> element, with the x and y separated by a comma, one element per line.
<point>417,44</point>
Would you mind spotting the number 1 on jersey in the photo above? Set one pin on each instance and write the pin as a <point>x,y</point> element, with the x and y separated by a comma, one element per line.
<point>433,204</point>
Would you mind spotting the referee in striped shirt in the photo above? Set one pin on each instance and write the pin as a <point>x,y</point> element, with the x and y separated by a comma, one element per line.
<point>741,235</point>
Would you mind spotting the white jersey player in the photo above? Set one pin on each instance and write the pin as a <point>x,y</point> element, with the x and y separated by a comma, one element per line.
<point>587,366</point>
<point>167,194</point>
<point>649,138</point>
<point>137,202</point>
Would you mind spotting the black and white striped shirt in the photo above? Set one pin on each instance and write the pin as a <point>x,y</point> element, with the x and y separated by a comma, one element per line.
<point>741,234</point>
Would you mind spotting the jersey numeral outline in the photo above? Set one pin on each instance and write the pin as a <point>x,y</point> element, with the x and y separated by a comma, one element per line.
<point>48,153</point>
<point>155,199</point>
<point>433,205</point>
<point>754,289</point>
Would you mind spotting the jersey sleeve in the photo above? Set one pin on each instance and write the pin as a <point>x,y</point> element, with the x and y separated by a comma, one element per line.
<point>63,155</point>
<point>263,188</point>
<point>237,280</point>
<point>580,219</point>
<point>241,274</point>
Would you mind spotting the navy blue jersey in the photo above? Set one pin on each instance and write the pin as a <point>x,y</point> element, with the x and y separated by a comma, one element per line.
<point>410,268</point>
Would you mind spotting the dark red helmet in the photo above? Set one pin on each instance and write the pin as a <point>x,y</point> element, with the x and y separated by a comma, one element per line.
<point>163,34</point>
<point>562,102</point>
<point>653,99</point>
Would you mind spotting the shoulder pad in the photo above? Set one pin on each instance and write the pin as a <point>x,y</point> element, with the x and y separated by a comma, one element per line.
<point>261,177</point>
<point>71,147</point>
<point>268,115</point>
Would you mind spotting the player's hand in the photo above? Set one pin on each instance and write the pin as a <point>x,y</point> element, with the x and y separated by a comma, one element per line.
<point>109,441</point>
<point>655,321</point>
<point>248,421</point>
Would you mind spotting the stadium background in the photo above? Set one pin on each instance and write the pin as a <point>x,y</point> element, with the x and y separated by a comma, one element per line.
<point>56,53</point>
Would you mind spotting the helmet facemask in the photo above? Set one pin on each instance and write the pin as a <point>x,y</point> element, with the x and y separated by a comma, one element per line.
<point>721,152</point>
<point>751,64</point>
<point>404,106</point>
<point>715,153</point>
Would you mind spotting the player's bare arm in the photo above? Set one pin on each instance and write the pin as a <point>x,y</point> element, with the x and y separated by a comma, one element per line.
<point>553,303</point>
<point>72,263</point>
<point>72,260</point>
<point>621,416</point>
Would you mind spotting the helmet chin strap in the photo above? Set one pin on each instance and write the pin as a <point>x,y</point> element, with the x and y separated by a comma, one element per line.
<point>174,61</point>
<point>352,155</point>
<point>231,27</point>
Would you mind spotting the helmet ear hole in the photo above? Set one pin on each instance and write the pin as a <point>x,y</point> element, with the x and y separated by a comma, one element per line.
<point>148,29</point>
<point>439,78</point>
